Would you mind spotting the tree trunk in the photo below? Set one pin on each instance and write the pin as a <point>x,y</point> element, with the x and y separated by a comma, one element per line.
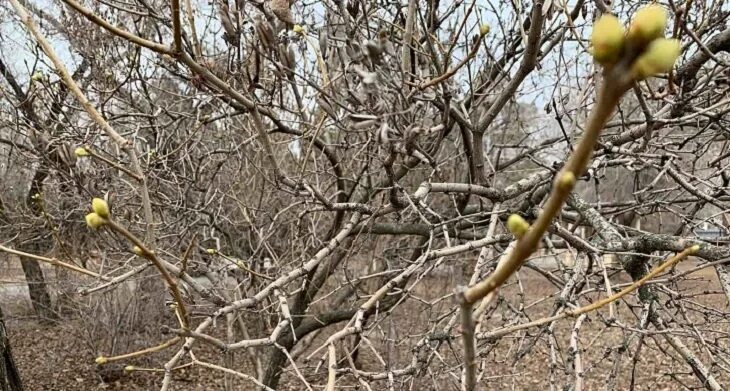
<point>9,376</point>
<point>37,288</point>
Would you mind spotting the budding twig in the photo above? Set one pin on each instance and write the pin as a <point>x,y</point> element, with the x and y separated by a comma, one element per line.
<point>54,262</point>
<point>152,257</point>
<point>626,58</point>
<point>598,304</point>
<point>103,360</point>
<point>576,164</point>
<point>95,155</point>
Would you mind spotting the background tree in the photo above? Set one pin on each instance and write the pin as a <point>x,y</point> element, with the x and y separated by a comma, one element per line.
<point>299,180</point>
<point>8,371</point>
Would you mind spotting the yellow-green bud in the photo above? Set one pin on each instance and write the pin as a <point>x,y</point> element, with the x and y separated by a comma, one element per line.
<point>211,251</point>
<point>101,360</point>
<point>129,368</point>
<point>659,57</point>
<point>517,225</point>
<point>38,76</point>
<point>138,250</point>
<point>299,29</point>
<point>81,152</point>
<point>100,207</point>
<point>94,221</point>
<point>648,24</point>
<point>566,180</point>
<point>607,39</point>
<point>694,249</point>
<point>484,29</point>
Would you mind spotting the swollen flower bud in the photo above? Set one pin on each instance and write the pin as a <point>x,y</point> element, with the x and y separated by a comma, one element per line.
<point>101,360</point>
<point>94,221</point>
<point>100,207</point>
<point>211,251</point>
<point>607,39</point>
<point>81,152</point>
<point>517,225</point>
<point>659,57</point>
<point>566,181</point>
<point>484,29</point>
<point>299,29</point>
<point>38,76</point>
<point>138,250</point>
<point>129,368</point>
<point>648,24</point>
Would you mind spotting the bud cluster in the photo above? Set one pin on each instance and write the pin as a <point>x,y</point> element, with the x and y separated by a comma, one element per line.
<point>100,214</point>
<point>644,41</point>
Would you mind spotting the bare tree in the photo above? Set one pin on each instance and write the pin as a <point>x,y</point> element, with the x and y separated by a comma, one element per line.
<point>376,193</point>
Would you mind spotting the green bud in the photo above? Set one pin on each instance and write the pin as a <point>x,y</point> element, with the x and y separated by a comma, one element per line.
<point>138,250</point>
<point>517,225</point>
<point>566,181</point>
<point>648,24</point>
<point>100,207</point>
<point>659,57</point>
<point>484,29</point>
<point>81,152</point>
<point>607,39</point>
<point>94,221</point>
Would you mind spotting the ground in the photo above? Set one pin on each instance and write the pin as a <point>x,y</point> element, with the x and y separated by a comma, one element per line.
<point>58,357</point>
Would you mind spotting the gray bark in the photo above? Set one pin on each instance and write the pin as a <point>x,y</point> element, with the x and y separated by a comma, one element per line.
<point>9,376</point>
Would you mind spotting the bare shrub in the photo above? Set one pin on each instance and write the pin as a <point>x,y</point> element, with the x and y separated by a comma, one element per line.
<point>426,195</point>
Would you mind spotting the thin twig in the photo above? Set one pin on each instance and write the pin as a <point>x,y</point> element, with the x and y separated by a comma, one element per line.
<point>152,257</point>
<point>68,80</point>
<point>467,331</point>
<point>234,373</point>
<point>176,28</point>
<point>54,262</point>
<point>331,367</point>
<point>563,185</point>
<point>162,346</point>
<point>594,306</point>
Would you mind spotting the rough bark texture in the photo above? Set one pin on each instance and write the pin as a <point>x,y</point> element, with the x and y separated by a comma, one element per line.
<point>9,377</point>
<point>37,288</point>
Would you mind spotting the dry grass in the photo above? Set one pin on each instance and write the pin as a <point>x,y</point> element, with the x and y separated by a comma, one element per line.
<point>57,358</point>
